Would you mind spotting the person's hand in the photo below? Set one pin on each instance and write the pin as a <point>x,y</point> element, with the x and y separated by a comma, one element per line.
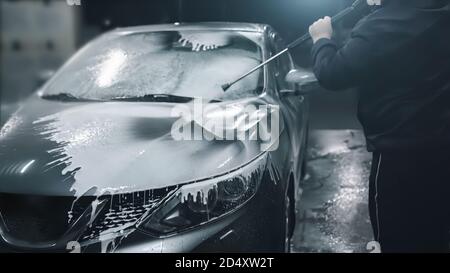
<point>321,29</point>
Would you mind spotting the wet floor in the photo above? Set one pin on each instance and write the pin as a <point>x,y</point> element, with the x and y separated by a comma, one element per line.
<point>332,213</point>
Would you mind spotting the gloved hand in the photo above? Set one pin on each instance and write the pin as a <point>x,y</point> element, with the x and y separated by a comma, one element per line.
<point>322,28</point>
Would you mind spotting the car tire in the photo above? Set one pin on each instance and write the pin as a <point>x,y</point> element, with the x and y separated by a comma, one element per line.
<point>290,215</point>
<point>303,172</point>
<point>304,160</point>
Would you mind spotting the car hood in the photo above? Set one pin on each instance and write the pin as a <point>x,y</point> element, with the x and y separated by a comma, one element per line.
<point>74,148</point>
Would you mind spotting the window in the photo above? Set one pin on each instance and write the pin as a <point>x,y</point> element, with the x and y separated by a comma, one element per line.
<point>136,65</point>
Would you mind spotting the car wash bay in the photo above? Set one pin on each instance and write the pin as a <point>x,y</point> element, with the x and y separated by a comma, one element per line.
<point>332,208</point>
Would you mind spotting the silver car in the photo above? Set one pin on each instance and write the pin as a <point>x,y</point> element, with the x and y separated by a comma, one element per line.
<point>93,161</point>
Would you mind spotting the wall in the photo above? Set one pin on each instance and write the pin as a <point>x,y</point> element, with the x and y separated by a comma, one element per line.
<point>37,36</point>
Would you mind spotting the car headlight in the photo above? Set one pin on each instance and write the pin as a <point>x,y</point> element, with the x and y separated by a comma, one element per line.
<point>197,203</point>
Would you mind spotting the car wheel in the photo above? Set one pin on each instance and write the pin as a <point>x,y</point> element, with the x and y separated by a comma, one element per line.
<point>290,216</point>
<point>304,161</point>
<point>303,172</point>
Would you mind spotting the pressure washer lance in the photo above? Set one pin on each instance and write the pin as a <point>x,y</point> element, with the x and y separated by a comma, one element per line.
<point>341,15</point>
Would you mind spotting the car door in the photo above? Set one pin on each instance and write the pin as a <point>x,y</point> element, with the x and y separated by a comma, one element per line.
<point>295,107</point>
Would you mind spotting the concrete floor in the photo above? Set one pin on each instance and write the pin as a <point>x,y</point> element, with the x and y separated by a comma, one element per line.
<point>332,213</point>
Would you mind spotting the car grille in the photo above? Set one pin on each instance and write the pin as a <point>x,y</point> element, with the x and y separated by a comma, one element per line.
<point>43,219</point>
<point>124,210</point>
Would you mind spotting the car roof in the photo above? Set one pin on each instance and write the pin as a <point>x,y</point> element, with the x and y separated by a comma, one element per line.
<point>227,26</point>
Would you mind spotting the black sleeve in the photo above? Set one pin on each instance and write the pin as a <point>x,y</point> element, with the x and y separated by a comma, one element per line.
<point>338,69</point>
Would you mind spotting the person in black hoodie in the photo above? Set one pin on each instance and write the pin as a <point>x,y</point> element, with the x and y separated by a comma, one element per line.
<point>398,57</point>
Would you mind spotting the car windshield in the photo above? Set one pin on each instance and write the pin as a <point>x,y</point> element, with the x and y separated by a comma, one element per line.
<point>191,64</point>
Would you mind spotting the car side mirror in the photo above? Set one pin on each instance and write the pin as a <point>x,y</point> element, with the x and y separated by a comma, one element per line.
<point>300,77</point>
<point>304,82</point>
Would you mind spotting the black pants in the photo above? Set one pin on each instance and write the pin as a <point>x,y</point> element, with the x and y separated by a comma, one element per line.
<point>409,200</point>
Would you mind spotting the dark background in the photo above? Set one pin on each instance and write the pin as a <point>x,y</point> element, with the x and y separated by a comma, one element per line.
<point>37,36</point>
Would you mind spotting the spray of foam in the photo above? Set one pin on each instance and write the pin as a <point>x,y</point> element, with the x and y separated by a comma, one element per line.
<point>204,40</point>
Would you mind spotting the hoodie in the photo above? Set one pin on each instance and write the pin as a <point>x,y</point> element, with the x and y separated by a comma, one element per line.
<point>398,57</point>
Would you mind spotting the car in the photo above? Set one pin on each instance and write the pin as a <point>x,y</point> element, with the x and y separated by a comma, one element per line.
<point>97,159</point>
